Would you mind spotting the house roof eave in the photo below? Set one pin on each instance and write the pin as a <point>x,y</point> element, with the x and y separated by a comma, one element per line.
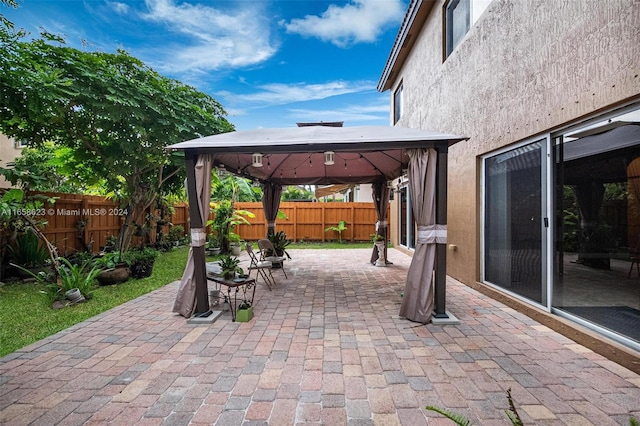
<point>415,17</point>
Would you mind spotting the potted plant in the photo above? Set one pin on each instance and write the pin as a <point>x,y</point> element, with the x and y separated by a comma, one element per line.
<point>280,243</point>
<point>77,281</point>
<point>380,244</point>
<point>225,219</point>
<point>213,245</point>
<point>114,270</point>
<point>175,234</point>
<point>230,266</point>
<point>244,313</point>
<point>235,247</point>
<point>141,261</point>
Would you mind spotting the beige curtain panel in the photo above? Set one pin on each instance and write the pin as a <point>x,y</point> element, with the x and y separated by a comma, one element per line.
<point>185,303</point>
<point>417,303</point>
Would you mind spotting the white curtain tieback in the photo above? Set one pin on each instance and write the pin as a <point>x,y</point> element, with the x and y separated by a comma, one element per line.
<point>429,234</point>
<point>198,237</point>
<point>381,224</point>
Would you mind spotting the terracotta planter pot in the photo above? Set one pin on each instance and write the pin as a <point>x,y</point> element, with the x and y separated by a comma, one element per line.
<point>114,276</point>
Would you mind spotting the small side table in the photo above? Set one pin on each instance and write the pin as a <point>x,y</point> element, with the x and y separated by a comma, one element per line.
<point>235,287</point>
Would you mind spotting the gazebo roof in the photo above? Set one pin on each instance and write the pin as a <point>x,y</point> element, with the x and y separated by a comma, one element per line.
<point>292,156</point>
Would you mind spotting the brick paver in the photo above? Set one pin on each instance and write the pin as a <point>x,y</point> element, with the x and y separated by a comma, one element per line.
<point>326,346</point>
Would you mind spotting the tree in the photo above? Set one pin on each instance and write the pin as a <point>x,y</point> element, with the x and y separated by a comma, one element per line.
<point>59,170</point>
<point>113,112</point>
<point>4,22</point>
<point>296,193</point>
<point>233,188</point>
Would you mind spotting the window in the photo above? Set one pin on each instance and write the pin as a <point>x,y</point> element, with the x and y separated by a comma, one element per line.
<point>397,104</point>
<point>459,15</point>
<point>457,22</point>
<point>20,144</point>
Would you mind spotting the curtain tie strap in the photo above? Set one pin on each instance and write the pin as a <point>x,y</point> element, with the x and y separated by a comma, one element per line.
<point>429,234</point>
<point>198,237</point>
<point>271,224</point>
<point>381,224</point>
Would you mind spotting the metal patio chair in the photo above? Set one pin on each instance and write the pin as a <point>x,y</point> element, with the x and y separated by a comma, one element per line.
<point>268,253</point>
<point>262,267</point>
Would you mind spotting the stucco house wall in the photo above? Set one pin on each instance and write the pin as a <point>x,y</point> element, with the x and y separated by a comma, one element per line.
<point>524,68</point>
<point>8,153</point>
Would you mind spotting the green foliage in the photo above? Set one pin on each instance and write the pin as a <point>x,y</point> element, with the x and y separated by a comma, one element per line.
<point>458,419</point>
<point>55,169</point>
<point>175,234</point>
<point>512,413</point>
<point>376,237</point>
<point>230,265</point>
<point>461,420</point>
<point>26,317</point>
<point>234,188</point>
<point>225,219</point>
<point>340,228</point>
<point>81,276</point>
<point>4,22</point>
<point>27,251</point>
<point>17,216</point>
<point>113,113</point>
<point>296,193</point>
<point>145,256</point>
<point>212,241</point>
<point>109,260</point>
<point>280,243</point>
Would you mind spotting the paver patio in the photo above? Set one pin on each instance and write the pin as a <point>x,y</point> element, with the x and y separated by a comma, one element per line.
<point>326,346</point>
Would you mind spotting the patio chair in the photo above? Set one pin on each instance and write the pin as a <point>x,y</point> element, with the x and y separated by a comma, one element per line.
<point>262,267</point>
<point>268,253</point>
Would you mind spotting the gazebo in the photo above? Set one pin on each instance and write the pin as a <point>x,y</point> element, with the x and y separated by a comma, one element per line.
<point>322,155</point>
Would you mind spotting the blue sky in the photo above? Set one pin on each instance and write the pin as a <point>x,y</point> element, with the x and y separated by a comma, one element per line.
<point>269,63</point>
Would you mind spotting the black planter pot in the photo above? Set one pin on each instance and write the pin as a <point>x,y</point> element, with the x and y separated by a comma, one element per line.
<point>141,270</point>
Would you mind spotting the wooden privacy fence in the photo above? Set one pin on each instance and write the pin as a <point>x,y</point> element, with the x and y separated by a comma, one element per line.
<point>77,218</point>
<point>307,221</point>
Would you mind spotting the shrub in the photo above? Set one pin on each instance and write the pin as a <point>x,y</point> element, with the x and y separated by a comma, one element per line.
<point>80,276</point>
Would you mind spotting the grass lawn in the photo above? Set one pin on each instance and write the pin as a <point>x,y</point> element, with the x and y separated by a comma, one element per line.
<point>26,317</point>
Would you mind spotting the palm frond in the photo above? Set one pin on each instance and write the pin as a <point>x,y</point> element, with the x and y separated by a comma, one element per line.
<point>458,419</point>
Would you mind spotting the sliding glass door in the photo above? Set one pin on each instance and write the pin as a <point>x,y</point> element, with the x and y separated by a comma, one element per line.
<point>515,222</point>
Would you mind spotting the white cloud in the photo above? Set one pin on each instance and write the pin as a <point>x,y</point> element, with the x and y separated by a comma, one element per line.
<point>118,7</point>
<point>212,38</point>
<point>280,94</point>
<point>348,114</point>
<point>356,22</point>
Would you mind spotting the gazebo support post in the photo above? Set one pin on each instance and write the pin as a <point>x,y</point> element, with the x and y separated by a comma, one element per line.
<point>200,272</point>
<point>441,248</point>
